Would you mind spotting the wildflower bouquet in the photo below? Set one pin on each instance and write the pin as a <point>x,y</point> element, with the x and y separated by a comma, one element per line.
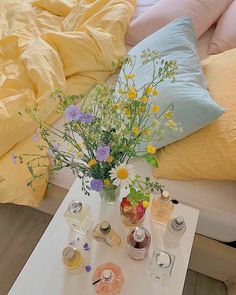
<point>113,127</point>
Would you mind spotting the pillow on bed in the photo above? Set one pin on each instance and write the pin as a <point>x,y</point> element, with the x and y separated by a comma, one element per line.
<point>209,153</point>
<point>203,12</point>
<point>58,7</point>
<point>224,37</point>
<point>193,106</point>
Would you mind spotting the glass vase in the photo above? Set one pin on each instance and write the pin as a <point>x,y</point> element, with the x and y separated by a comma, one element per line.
<point>131,215</point>
<point>110,194</point>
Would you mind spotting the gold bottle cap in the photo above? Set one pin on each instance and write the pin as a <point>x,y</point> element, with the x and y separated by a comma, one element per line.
<point>105,227</point>
<point>70,254</point>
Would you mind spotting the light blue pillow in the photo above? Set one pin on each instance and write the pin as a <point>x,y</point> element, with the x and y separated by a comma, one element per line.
<point>193,106</point>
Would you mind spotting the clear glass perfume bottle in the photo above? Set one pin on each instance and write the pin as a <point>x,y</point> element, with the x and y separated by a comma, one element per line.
<point>161,264</point>
<point>138,242</point>
<point>103,232</point>
<point>174,232</point>
<point>108,279</point>
<point>72,259</point>
<point>162,208</point>
<point>78,216</point>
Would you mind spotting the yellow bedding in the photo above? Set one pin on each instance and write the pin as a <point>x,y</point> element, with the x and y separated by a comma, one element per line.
<point>44,45</point>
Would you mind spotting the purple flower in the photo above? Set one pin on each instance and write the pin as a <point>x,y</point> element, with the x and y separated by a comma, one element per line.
<point>72,113</point>
<point>86,247</point>
<point>102,153</point>
<point>86,118</point>
<point>88,268</point>
<point>13,158</point>
<point>96,185</point>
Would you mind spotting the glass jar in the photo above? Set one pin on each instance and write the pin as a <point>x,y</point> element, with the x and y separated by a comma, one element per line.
<point>162,208</point>
<point>78,216</point>
<point>110,194</point>
<point>174,232</point>
<point>72,259</point>
<point>131,215</point>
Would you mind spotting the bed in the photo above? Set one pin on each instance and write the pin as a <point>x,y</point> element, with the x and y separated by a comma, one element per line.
<point>215,199</point>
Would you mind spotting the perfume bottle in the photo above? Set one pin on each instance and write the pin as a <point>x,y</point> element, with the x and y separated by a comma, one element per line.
<point>138,242</point>
<point>108,279</point>
<point>78,216</point>
<point>162,208</point>
<point>161,264</point>
<point>72,259</point>
<point>174,232</point>
<point>103,232</point>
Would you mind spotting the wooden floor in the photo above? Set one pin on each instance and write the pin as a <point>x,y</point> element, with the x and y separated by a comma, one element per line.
<point>21,228</point>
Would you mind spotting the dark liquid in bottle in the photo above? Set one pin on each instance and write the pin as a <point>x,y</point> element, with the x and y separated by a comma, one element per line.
<point>139,244</point>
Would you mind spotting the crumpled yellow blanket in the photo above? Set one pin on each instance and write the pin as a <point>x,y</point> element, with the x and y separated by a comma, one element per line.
<point>44,45</point>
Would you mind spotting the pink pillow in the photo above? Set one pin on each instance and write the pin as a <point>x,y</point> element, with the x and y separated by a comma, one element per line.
<point>203,12</point>
<point>224,37</point>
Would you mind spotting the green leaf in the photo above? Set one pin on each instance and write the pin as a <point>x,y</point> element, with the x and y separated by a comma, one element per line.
<point>151,159</point>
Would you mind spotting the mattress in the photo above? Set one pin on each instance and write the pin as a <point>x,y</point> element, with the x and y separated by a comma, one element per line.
<point>215,199</point>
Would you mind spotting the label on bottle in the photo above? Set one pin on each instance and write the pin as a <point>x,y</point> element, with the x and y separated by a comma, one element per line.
<point>137,254</point>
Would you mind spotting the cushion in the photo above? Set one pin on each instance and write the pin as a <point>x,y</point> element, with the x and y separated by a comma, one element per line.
<point>203,12</point>
<point>224,37</point>
<point>193,106</point>
<point>209,153</point>
<point>58,7</point>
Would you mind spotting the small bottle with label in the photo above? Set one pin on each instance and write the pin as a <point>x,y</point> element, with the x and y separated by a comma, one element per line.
<point>138,242</point>
<point>162,208</point>
<point>174,232</point>
<point>108,279</point>
<point>78,216</point>
<point>103,232</point>
<point>72,259</point>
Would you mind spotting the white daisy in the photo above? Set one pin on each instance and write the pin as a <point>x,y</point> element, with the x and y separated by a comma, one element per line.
<point>122,175</point>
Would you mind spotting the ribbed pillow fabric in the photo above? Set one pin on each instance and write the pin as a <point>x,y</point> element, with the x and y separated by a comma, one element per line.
<point>209,153</point>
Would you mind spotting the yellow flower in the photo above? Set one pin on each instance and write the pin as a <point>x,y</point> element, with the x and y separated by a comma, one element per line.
<point>145,204</point>
<point>121,91</point>
<point>127,112</point>
<point>142,109</point>
<point>168,115</point>
<point>151,149</point>
<point>110,159</point>
<point>144,99</point>
<point>149,90</point>
<point>155,108</point>
<point>106,182</point>
<point>78,154</point>
<point>132,92</point>
<point>116,106</point>
<point>92,162</point>
<point>155,92</point>
<point>147,132</point>
<point>129,76</point>
<point>136,130</point>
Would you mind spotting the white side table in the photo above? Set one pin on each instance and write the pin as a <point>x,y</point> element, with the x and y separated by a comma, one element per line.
<point>44,273</point>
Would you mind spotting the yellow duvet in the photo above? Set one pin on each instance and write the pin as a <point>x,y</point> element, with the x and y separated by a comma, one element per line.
<point>44,45</point>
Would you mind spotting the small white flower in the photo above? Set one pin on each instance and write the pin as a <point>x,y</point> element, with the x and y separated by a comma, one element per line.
<point>122,175</point>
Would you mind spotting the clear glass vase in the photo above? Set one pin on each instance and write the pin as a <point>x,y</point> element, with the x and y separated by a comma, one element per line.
<point>110,194</point>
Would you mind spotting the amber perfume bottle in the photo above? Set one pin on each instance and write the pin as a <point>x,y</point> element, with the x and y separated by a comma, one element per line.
<point>78,216</point>
<point>138,242</point>
<point>103,232</point>
<point>72,259</point>
<point>108,279</point>
<point>174,232</point>
<point>162,208</point>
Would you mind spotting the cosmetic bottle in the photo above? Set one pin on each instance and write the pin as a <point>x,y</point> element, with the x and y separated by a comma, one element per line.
<point>174,232</point>
<point>78,216</point>
<point>162,208</point>
<point>108,279</point>
<point>138,242</point>
<point>103,232</point>
<point>72,259</point>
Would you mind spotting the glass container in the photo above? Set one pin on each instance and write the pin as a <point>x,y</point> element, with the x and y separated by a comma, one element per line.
<point>131,215</point>
<point>109,195</point>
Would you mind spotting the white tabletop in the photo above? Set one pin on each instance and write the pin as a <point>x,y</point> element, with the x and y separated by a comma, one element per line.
<point>44,273</point>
